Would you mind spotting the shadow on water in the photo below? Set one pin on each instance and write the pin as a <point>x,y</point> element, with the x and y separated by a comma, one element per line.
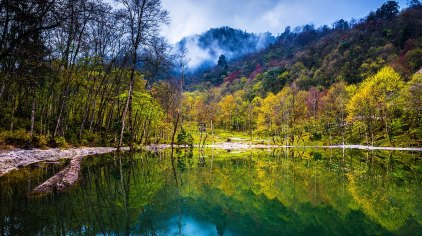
<point>215,192</point>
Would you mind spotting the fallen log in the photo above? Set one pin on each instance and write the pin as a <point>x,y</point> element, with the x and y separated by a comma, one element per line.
<point>62,180</point>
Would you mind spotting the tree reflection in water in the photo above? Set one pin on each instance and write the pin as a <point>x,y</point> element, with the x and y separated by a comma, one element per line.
<point>213,192</point>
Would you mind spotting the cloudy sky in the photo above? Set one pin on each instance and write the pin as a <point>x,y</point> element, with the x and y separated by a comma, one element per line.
<point>196,16</point>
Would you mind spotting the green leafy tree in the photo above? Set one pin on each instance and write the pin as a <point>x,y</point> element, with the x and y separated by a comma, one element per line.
<point>388,10</point>
<point>376,100</point>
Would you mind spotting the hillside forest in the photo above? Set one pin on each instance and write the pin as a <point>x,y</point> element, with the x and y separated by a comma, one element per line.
<point>82,73</point>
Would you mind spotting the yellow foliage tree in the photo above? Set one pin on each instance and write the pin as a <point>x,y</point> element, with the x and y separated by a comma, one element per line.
<point>375,100</point>
<point>226,109</point>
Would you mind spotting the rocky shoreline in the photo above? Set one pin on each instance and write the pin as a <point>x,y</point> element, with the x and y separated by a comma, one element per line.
<point>238,146</point>
<point>18,158</point>
<point>14,159</point>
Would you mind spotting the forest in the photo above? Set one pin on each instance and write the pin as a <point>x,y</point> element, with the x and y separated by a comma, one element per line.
<point>84,73</point>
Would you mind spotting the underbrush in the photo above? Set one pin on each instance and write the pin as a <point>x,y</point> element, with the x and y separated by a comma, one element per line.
<point>23,139</point>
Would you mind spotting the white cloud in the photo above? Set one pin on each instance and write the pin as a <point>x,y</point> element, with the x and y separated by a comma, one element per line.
<point>196,54</point>
<point>190,17</point>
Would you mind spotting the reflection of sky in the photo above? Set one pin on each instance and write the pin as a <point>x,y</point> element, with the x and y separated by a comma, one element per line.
<point>192,226</point>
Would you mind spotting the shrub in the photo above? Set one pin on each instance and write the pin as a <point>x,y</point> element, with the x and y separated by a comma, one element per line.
<point>58,142</point>
<point>316,155</point>
<point>17,138</point>
<point>39,141</point>
<point>90,138</point>
<point>316,136</point>
<point>184,138</point>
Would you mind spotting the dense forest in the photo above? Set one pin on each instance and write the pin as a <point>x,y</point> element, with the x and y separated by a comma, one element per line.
<point>78,71</point>
<point>354,82</point>
<point>84,73</point>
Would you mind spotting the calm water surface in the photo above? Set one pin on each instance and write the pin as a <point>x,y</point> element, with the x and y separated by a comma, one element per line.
<point>277,192</point>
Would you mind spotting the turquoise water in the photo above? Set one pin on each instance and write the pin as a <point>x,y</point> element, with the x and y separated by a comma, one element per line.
<point>277,192</point>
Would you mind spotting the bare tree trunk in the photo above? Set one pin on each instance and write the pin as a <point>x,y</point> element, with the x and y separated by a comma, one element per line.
<point>59,120</point>
<point>212,133</point>
<point>32,116</point>
<point>142,132</point>
<point>109,119</point>
<point>386,129</point>
<point>41,122</point>
<point>130,120</point>
<point>125,111</point>
<point>92,115</point>
<point>174,130</point>
<point>205,139</point>
<point>135,122</point>
<point>2,89</point>
<point>13,114</point>
<point>11,123</point>
<point>86,111</point>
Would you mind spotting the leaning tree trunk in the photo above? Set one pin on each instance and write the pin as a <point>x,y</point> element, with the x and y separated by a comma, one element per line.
<point>174,130</point>
<point>63,105</point>
<point>32,117</point>
<point>125,111</point>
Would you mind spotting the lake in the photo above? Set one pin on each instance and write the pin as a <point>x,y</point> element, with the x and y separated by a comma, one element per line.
<point>216,192</point>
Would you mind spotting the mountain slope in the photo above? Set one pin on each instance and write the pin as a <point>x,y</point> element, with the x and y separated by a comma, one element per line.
<point>349,51</point>
<point>204,50</point>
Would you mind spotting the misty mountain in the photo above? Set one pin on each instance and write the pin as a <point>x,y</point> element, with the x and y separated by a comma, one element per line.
<point>318,57</point>
<point>203,50</point>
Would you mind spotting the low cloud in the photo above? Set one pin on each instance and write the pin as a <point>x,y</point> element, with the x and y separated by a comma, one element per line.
<point>204,50</point>
<point>189,17</point>
<point>199,56</point>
